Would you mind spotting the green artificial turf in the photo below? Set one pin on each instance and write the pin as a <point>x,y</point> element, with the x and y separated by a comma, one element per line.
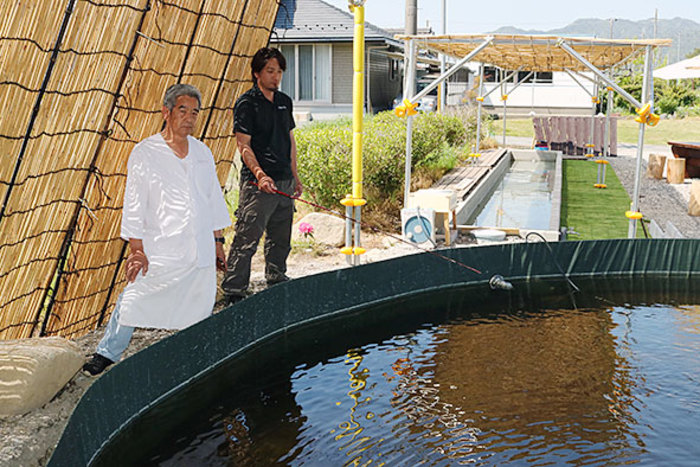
<point>592,212</point>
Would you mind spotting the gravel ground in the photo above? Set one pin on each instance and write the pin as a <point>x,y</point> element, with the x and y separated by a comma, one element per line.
<point>658,200</point>
<point>28,440</point>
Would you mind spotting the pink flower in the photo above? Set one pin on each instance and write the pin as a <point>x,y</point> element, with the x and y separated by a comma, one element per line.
<point>306,229</point>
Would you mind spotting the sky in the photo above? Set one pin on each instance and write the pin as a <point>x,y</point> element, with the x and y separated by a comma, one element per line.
<point>471,16</point>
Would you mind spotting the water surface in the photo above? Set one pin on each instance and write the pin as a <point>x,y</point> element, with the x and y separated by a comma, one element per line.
<point>523,198</point>
<point>614,381</point>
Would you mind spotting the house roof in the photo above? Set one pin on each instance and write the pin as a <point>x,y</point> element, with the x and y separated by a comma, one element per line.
<point>537,53</point>
<point>317,21</point>
<point>685,69</point>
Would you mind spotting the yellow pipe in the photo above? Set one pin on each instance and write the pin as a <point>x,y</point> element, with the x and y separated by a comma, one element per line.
<point>358,99</point>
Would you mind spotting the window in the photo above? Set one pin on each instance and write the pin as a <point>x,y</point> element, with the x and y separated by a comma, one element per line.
<point>525,77</point>
<point>393,69</point>
<point>543,77</point>
<point>536,77</point>
<point>492,74</point>
<point>306,72</point>
<point>308,75</point>
<point>289,76</point>
<point>322,68</point>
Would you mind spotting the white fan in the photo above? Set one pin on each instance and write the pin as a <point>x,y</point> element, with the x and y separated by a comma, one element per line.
<point>418,225</point>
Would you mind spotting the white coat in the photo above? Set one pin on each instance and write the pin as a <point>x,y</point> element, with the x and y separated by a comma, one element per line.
<point>173,205</point>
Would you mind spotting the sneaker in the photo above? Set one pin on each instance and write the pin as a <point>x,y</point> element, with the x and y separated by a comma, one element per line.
<point>96,365</point>
<point>277,280</point>
<point>232,299</point>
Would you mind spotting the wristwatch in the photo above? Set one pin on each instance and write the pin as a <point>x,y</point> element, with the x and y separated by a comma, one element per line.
<point>221,240</point>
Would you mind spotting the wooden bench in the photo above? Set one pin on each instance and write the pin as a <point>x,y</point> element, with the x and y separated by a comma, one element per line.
<point>463,179</point>
<point>691,153</point>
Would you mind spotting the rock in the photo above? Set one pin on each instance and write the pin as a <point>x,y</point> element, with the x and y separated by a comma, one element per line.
<point>32,371</point>
<point>327,229</point>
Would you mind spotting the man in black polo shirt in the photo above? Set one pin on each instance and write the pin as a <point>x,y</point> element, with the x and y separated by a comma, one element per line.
<point>263,123</point>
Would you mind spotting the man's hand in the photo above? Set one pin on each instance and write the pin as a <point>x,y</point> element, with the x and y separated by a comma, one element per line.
<point>220,257</point>
<point>298,188</point>
<point>136,262</point>
<point>267,184</point>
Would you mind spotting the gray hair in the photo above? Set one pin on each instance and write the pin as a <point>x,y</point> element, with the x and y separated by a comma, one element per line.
<point>177,90</point>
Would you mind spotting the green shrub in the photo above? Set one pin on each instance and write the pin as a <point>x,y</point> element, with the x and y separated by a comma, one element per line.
<point>666,105</point>
<point>692,111</point>
<point>325,154</point>
<point>669,95</point>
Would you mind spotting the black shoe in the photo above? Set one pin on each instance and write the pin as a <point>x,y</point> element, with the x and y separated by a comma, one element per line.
<point>232,299</point>
<point>96,365</point>
<point>277,280</point>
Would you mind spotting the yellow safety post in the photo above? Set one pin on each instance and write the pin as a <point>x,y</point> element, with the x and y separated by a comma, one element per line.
<point>504,99</point>
<point>590,146</point>
<point>602,164</point>
<point>589,149</point>
<point>472,157</point>
<point>353,203</point>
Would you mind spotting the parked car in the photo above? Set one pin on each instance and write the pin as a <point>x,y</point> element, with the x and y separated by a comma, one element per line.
<point>427,103</point>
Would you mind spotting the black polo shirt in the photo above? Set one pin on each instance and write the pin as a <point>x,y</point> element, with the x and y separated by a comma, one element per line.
<point>268,124</point>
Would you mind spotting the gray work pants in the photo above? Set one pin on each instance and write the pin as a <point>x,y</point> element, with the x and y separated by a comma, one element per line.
<point>260,212</point>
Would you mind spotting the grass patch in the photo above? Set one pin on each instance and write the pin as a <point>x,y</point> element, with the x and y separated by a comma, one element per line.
<point>514,127</point>
<point>686,129</point>
<point>683,129</point>
<point>593,213</point>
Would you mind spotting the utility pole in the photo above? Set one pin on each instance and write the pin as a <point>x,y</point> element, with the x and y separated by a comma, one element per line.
<point>443,85</point>
<point>612,21</point>
<point>656,20</point>
<point>411,27</point>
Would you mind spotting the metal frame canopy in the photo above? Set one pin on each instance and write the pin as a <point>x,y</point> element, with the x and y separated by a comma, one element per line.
<point>536,53</point>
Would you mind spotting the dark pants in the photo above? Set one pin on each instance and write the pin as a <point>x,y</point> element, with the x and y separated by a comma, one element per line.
<point>260,212</point>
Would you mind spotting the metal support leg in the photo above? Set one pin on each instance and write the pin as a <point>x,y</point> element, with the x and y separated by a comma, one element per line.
<point>348,232</point>
<point>647,92</point>
<point>357,244</point>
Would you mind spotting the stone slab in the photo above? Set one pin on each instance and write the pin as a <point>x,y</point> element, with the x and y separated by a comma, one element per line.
<point>32,371</point>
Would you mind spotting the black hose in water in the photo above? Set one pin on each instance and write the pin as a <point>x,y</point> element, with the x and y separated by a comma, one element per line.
<point>573,288</point>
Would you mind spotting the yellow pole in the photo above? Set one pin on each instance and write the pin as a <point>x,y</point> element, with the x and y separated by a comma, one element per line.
<point>358,99</point>
<point>353,203</point>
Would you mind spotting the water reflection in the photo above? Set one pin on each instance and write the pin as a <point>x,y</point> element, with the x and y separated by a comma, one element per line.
<point>547,382</point>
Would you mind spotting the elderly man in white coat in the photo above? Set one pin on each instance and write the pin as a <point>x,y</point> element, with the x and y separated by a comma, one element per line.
<point>172,218</point>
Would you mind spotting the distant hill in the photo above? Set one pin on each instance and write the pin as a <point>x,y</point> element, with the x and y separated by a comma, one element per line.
<point>685,33</point>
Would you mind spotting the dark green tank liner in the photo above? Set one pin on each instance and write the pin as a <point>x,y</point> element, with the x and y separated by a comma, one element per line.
<point>133,387</point>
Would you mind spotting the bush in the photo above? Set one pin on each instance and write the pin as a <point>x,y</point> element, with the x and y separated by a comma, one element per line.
<point>666,105</point>
<point>325,155</point>
<point>669,95</point>
<point>683,112</point>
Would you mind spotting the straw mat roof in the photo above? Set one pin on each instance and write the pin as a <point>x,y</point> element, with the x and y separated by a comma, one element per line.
<point>537,53</point>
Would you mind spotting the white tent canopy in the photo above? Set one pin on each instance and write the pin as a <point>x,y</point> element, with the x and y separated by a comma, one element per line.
<point>685,69</point>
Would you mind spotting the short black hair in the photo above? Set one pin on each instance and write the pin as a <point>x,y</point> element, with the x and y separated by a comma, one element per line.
<point>263,56</point>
